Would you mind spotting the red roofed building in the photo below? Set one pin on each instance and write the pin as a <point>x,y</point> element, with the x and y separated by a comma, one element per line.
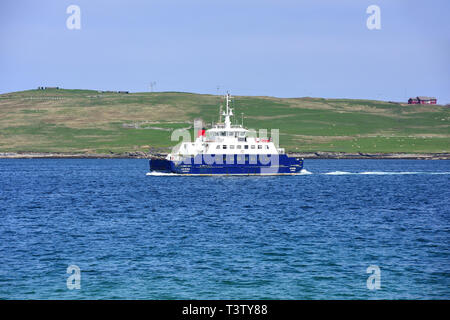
<point>422,100</point>
<point>413,101</point>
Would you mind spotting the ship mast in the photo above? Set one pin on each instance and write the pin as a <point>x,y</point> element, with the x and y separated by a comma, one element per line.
<point>228,112</point>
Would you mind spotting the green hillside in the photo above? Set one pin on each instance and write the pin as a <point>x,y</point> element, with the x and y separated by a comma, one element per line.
<point>89,121</point>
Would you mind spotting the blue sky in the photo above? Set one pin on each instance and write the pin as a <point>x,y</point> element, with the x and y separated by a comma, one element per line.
<point>284,48</point>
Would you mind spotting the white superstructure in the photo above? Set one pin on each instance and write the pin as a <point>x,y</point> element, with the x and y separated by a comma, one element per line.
<point>225,138</point>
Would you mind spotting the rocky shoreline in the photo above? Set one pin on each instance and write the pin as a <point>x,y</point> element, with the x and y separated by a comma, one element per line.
<point>361,155</point>
<point>305,155</point>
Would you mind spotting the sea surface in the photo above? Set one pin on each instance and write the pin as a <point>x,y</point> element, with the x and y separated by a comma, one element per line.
<point>139,235</point>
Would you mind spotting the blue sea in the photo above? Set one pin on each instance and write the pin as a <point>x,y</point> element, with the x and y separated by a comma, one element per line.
<point>136,235</point>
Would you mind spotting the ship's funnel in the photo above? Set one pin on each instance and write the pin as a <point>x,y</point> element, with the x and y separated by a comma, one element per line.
<point>199,127</point>
<point>201,132</point>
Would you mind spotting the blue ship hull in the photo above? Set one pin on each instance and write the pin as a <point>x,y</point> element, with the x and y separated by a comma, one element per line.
<point>230,165</point>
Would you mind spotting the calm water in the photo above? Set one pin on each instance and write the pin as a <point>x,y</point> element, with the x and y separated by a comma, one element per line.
<point>168,237</point>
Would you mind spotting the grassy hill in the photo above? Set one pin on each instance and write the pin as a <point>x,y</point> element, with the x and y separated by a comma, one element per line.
<point>88,121</point>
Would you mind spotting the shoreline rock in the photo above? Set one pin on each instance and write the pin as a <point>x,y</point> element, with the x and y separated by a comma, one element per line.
<point>361,155</point>
<point>144,155</point>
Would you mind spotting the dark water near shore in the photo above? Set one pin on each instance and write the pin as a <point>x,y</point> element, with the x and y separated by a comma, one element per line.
<point>168,237</point>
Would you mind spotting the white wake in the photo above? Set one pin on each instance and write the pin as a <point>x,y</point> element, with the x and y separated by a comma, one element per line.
<point>337,173</point>
<point>306,172</point>
<point>388,172</point>
<point>159,174</point>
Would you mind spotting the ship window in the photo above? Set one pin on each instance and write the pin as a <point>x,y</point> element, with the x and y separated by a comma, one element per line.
<point>218,146</point>
<point>223,133</point>
<point>267,146</point>
<point>224,146</point>
<point>231,146</point>
<point>246,146</point>
<point>253,146</point>
<point>238,146</point>
<point>230,134</point>
<point>242,134</point>
<point>259,146</point>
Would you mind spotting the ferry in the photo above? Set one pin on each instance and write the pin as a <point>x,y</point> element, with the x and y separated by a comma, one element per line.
<point>227,149</point>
